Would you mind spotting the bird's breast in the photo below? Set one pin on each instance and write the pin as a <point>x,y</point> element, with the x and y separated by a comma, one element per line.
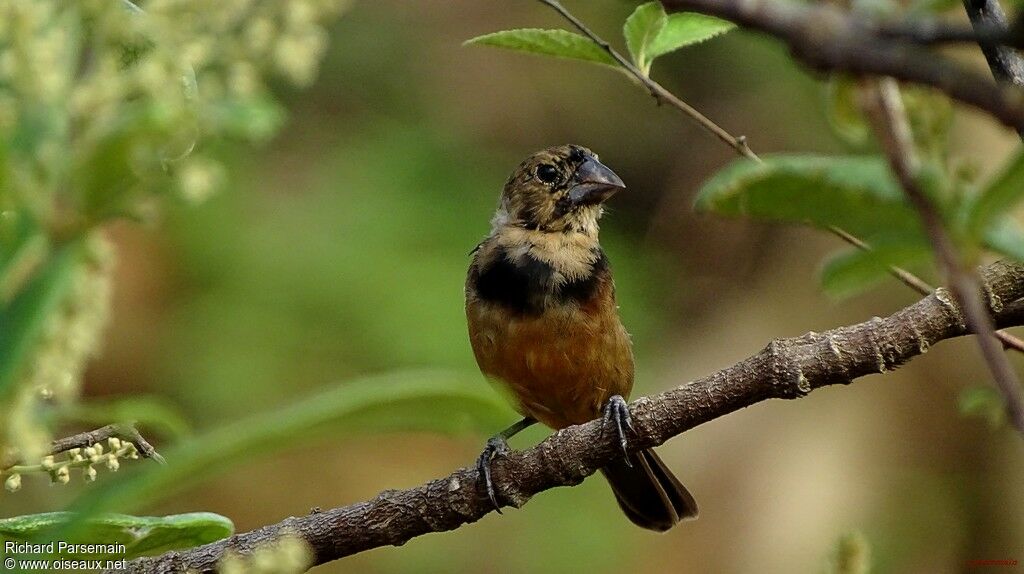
<point>558,346</point>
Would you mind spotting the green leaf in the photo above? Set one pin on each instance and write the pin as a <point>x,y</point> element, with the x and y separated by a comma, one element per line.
<point>686,29</point>
<point>1001,195</point>
<point>557,43</point>
<point>141,535</point>
<point>985,403</point>
<point>438,401</point>
<point>850,272</point>
<point>855,193</point>
<point>640,29</point>
<point>22,320</point>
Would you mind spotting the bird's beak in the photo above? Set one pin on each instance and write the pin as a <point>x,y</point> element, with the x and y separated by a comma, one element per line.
<point>594,183</point>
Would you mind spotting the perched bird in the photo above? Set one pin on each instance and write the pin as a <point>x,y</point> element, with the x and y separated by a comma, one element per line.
<point>544,324</point>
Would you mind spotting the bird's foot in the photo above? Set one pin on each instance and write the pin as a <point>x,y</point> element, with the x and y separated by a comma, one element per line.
<point>616,416</point>
<point>496,446</point>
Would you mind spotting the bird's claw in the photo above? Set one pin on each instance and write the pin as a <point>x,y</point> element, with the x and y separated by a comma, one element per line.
<point>616,412</point>
<point>496,446</point>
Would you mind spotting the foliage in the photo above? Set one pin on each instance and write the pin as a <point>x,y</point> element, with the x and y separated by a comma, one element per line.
<point>558,43</point>
<point>859,195</point>
<point>141,535</point>
<point>649,34</point>
<point>856,194</point>
<point>132,111</point>
<point>403,401</point>
<point>103,107</point>
<point>106,109</point>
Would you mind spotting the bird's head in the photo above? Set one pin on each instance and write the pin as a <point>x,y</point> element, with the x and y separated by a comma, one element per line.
<point>559,189</point>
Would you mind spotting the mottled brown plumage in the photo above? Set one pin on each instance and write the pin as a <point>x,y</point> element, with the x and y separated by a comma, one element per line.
<point>543,320</point>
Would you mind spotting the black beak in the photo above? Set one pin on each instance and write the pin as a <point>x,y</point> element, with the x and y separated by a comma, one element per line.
<point>594,183</point>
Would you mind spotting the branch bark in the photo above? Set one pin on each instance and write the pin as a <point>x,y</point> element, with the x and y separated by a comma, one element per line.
<point>890,122</point>
<point>785,369</point>
<point>123,431</point>
<point>987,16</point>
<point>826,38</point>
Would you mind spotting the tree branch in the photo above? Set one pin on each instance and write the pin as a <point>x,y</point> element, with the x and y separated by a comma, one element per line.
<point>660,94</point>
<point>987,17</point>
<point>921,286</point>
<point>826,38</point>
<point>786,369</point>
<point>124,431</point>
<point>988,20</point>
<point>919,32</point>
<point>890,121</point>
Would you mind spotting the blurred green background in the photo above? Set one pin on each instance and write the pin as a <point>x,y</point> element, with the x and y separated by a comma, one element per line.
<point>339,249</point>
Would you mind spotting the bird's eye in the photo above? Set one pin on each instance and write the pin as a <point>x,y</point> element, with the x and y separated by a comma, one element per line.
<point>547,173</point>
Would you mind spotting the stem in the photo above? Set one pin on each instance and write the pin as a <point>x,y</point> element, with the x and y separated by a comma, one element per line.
<point>739,144</point>
<point>656,90</point>
<point>786,369</point>
<point>890,122</point>
<point>124,431</point>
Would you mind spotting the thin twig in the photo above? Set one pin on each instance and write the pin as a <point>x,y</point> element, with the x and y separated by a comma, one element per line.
<point>786,368</point>
<point>828,39</point>
<point>659,93</point>
<point>921,286</point>
<point>739,144</point>
<point>890,122</point>
<point>124,431</point>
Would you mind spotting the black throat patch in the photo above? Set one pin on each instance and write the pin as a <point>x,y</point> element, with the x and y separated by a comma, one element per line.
<point>528,286</point>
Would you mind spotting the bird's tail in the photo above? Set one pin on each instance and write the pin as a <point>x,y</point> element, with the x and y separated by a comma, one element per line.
<point>650,495</point>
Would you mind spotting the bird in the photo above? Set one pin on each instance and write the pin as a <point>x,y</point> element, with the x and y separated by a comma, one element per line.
<point>545,329</point>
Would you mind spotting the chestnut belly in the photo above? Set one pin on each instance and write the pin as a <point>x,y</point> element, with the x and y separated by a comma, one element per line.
<point>560,366</point>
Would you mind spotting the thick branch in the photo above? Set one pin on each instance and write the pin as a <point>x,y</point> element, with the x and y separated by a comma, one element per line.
<point>828,39</point>
<point>786,368</point>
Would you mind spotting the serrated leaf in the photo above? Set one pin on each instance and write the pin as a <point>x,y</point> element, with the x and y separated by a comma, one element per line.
<point>856,193</point>
<point>640,29</point>
<point>850,272</point>
<point>998,198</point>
<point>686,29</point>
<point>141,535</point>
<point>557,43</point>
